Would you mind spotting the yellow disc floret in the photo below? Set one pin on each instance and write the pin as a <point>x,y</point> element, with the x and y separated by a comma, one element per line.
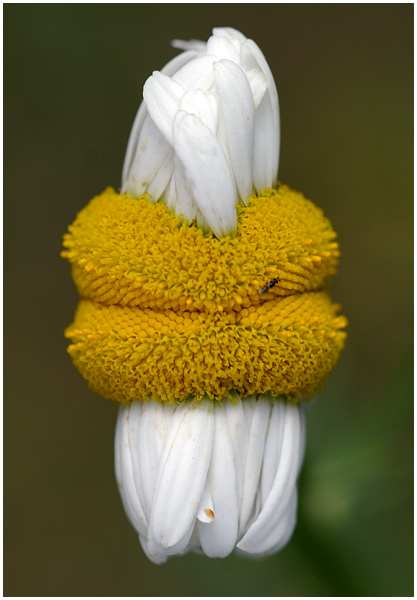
<point>169,312</point>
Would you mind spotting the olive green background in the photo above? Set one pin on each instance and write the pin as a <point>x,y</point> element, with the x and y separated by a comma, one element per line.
<point>73,78</point>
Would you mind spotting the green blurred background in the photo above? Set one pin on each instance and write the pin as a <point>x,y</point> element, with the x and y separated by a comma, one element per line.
<point>72,82</point>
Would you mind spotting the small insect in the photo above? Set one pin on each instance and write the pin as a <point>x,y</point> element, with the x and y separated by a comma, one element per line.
<point>269,285</point>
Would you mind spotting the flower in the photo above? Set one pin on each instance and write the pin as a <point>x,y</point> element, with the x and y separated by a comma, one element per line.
<point>207,134</point>
<point>210,476</point>
<point>203,308</point>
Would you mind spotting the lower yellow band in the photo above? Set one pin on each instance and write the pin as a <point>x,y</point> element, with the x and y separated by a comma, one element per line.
<point>287,345</point>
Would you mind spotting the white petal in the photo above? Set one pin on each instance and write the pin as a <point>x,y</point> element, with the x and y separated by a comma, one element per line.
<point>219,537</point>
<point>261,60</point>
<point>127,486</point>
<point>201,104</point>
<point>151,433</point>
<point>196,45</point>
<point>169,69</point>
<point>178,61</point>
<point>202,223</point>
<point>257,434</point>
<point>270,524</point>
<point>162,96</point>
<point>264,167</point>
<point>273,447</point>
<point>133,427</point>
<point>170,193</point>
<point>249,405</point>
<point>207,173</point>
<point>160,182</point>
<point>183,470</point>
<point>303,434</point>
<point>239,434</point>
<point>258,86</point>
<point>194,543</point>
<point>247,59</point>
<point>221,135</point>
<point>197,74</point>
<point>184,204</point>
<point>117,447</point>
<point>133,141</point>
<point>157,560</point>
<point>151,152</point>
<point>238,112</point>
<point>157,550</point>
<point>222,48</point>
<point>230,33</point>
<point>286,527</point>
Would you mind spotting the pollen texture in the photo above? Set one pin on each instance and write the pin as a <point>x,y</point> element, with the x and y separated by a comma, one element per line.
<point>168,312</point>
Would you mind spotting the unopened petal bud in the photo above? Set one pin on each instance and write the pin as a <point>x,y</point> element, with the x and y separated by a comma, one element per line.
<point>228,89</point>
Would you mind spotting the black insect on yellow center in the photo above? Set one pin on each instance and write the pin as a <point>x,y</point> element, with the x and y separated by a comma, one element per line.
<point>269,285</point>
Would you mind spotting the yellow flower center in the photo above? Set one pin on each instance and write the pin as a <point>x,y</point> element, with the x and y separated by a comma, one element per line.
<point>172,313</point>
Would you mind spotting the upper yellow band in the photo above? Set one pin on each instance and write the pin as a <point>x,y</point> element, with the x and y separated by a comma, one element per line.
<point>134,253</point>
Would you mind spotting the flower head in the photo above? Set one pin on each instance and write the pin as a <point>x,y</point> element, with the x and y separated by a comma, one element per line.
<point>207,134</point>
<point>204,310</point>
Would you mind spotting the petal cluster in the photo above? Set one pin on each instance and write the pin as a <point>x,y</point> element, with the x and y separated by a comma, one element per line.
<point>211,477</point>
<point>207,134</point>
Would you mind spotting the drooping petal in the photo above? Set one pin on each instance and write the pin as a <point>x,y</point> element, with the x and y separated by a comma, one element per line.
<point>159,184</point>
<point>263,64</point>
<point>287,525</point>
<point>199,104</point>
<point>198,74</point>
<point>170,193</point>
<point>179,61</point>
<point>264,166</point>
<point>162,96</point>
<point>132,142</point>
<point>156,549</point>
<point>265,532</point>
<point>303,435</point>
<point>238,112</point>
<point>118,453</point>
<point>194,543</point>
<point>169,69</point>
<point>182,472</point>
<point>273,447</point>
<point>221,135</point>
<point>261,407</point>
<point>239,434</point>
<point>222,48</point>
<point>230,33</point>
<point>202,223</point>
<point>133,427</point>
<point>184,203</point>
<point>206,172</point>
<point>151,152</point>
<point>258,86</point>
<point>151,433</point>
<point>196,45</point>
<point>155,558</point>
<point>218,538</point>
<point>124,473</point>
